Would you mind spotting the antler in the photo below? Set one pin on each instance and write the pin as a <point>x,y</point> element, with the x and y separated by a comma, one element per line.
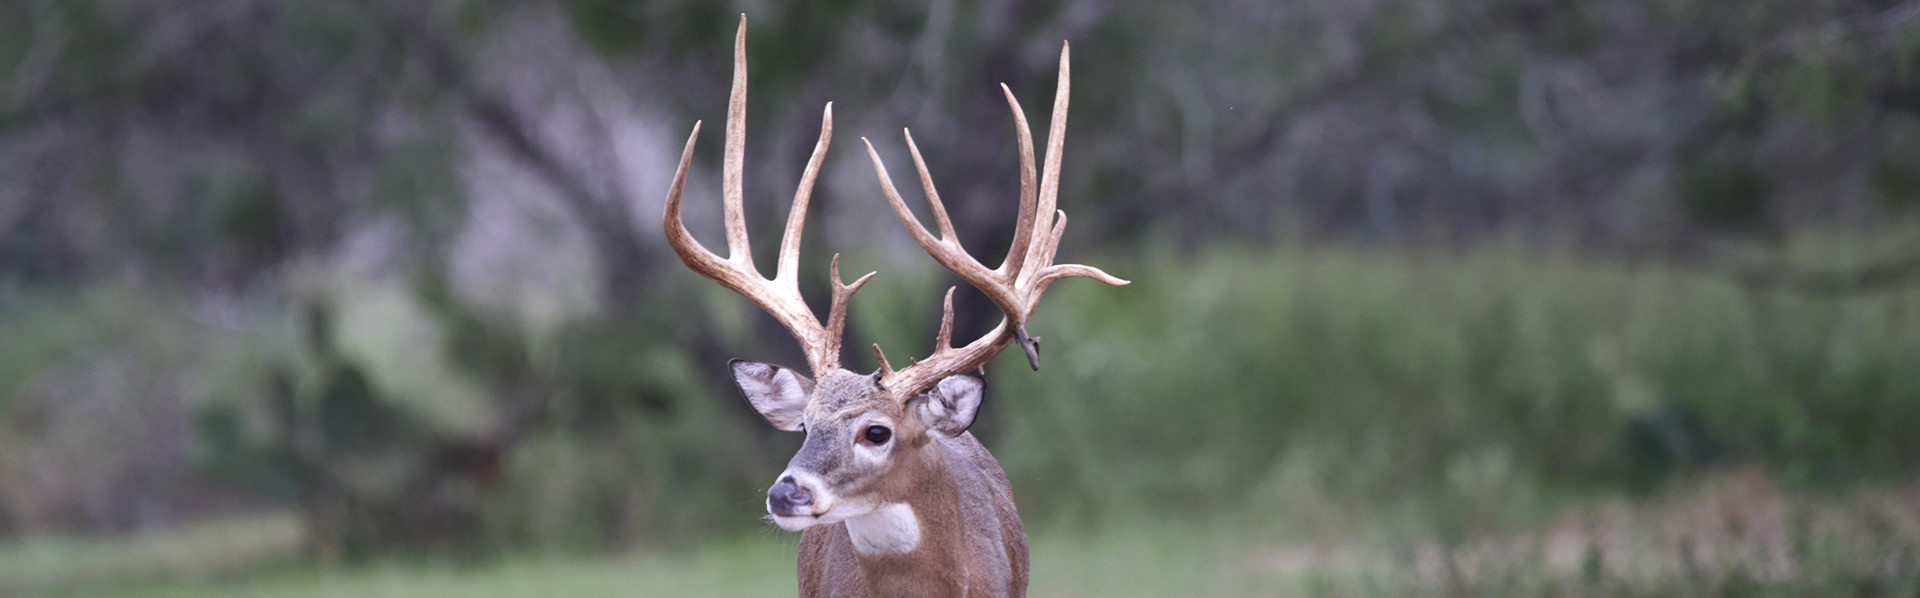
<point>1017,284</point>
<point>780,295</point>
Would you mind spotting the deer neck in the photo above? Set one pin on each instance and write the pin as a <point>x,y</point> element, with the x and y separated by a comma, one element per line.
<point>914,543</point>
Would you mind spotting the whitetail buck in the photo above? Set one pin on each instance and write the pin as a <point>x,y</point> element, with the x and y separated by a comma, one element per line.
<point>896,498</point>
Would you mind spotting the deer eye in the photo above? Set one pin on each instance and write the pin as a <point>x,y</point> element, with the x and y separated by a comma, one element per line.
<point>877,435</point>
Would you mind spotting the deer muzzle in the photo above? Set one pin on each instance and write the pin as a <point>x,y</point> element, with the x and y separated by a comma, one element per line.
<point>788,499</point>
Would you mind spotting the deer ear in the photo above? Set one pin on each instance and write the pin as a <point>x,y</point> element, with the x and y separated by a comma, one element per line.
<point>778,393</point>
<point>949,409</point>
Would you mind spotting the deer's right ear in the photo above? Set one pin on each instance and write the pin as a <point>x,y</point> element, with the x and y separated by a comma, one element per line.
<point>950,407</point>
<point>778,393</point>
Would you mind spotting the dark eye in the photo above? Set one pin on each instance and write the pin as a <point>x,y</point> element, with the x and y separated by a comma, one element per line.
<point>877,435</point>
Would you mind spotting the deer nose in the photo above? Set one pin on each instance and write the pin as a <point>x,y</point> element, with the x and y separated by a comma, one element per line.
<point>785,497</point>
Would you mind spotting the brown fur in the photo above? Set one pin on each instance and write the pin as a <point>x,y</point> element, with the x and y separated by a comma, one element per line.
<point>965,507</point>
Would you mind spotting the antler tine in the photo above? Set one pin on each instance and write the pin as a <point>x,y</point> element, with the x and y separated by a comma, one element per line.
<point>1023,229</point>
<point>919,232</point>
<point>677,236</point>
<point>943,343</point>
<point>837,313</point>
<point>780,295</point>
<point>1050,177</point>
<point>886,369</point>
<point>1054,272</point>
<point>933,196</point>
<point>945,250</point>
<point>797,216</point>
<point>1016,286</point>
<point>734,164</point>
<point>945,339</point>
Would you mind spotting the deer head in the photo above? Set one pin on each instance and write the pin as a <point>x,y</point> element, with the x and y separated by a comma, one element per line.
<point>867,434</point>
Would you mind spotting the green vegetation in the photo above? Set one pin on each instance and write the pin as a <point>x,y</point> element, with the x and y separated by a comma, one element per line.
<point>762,568</point>
<point>1250,377</point>
<point>1431,296</point>
<point>1732,535</point>
<point>220,548</point>
<point>1341,420</point>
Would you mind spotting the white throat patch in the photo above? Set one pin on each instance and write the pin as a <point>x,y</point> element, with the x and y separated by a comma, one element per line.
<point>889,529</point>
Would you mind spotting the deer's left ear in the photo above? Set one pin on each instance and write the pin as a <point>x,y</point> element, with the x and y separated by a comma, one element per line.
<point>950,407</point>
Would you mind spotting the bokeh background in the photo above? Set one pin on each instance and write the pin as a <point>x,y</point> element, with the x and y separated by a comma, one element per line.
<point>1431,297</point>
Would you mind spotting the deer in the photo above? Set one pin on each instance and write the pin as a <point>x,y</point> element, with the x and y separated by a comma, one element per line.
<point>892,494</point>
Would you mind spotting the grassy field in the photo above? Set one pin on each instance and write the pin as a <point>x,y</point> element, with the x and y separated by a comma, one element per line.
<point>1731,533</point>
<point>1145,559</point>
<point>1315,422</point>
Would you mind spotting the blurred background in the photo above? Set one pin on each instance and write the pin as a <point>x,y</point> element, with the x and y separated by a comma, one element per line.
<point>1431,297</point>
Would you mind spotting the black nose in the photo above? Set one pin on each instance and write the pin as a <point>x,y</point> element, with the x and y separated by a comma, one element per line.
<point>785,498</point>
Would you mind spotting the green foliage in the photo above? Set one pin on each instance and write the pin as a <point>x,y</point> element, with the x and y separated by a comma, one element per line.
<point>1238,376</point>
<point>1448,392</point>
<point>1395,401</point>
<point>1721,192</point>
<point>1896,177</point>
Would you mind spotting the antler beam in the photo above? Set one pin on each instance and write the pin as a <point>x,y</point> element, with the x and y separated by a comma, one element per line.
<point>1016,286</point>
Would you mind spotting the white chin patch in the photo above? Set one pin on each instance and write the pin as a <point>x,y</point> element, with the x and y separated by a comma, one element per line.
<point>889,529</point>
<point>794,524</point>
